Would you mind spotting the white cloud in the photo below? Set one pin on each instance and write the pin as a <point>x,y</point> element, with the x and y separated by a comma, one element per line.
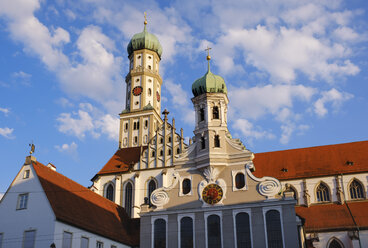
<point>334,97</point>
<point>7,132</point>
<point>258,101</point>
<point>68,148</point>
<point>64,102</point>
<point>179,100</point>
<point>250,131</point>
<point>88,120</point>
<point>6,111</point>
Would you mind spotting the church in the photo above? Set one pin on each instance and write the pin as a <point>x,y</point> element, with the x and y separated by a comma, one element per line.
<point>157,191</point>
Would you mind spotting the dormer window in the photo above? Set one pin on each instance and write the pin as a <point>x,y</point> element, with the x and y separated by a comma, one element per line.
<point>203,143</point>
<point>26,174</point>
<point>215,113</point>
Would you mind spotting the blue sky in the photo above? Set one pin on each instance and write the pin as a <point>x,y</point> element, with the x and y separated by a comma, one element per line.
<point>296,72</point>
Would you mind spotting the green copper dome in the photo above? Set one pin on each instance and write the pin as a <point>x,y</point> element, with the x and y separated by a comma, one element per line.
<point>144,40</point>
<point>209,83</point>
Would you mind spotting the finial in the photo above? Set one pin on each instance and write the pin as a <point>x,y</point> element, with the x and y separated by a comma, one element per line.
<point>32,148</point>
<point>208,56</point>
<point>165,113</point>
<point>145,19</point>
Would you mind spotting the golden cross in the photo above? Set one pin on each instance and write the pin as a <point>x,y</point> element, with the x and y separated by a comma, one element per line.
<point>208,50</point>
<point>145,17</point>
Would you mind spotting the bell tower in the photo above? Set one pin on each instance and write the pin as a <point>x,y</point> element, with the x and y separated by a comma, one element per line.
<point>210,103</point>
<point>141,116</point>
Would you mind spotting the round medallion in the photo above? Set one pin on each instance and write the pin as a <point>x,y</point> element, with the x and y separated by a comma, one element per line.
<point>137,90</point>
<point>212,194</point>
<point>158,96</point>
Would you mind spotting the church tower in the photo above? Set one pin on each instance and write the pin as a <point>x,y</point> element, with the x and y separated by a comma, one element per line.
<point>210,103</point>
<point>141,117</point>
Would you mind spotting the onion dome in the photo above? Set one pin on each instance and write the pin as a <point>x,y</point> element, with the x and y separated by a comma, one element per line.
<point>144,40</point>
<point>209,83</point>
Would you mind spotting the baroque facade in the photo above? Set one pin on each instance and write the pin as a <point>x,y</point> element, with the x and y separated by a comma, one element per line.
<point>199,195</point>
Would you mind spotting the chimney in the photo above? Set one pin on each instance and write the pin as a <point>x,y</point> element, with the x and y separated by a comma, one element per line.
<point>51,166</point>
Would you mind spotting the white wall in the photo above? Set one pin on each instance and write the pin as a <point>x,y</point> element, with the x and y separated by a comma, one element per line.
<point>37,216</point>
<point>77,235</point>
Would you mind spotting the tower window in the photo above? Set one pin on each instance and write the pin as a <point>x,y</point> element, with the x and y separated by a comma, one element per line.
<point>153,154</point>
<point>135,139</point>
<point>203,143</point>
<point>139,57</point>
<point>169,152</point>
<point>150,80</point>
<point>178,151</point>
<point>215,112</point>
<point>161,152</point>
<point>149,67</point>
<point>149,91</point>
<point>146,123</point>
<point>161,140</point>
<point>217,141</point>
<point>135,126</point>
<point>169,139</point>
<point>149,57</point>
<point>186,185</point>
<point>201,114</point>
<point>239,180</point>
<point>137,80</point>
<point>126,126</point>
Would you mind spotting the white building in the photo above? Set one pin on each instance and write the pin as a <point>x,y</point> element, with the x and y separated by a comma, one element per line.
<point>43,209</point>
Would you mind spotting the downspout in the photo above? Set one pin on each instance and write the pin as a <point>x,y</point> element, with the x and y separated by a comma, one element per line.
<point>347,205</point>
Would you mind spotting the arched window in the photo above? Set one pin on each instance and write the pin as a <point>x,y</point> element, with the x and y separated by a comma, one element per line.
<point>128,198</point>
<point>217,141</point>
<point>289,188</point>
<point>186,232</point>
<point>239,180</point>
<point>215,113</point>
<point>159,233</point>
<point>323,193</point>
<point>146,123</point>
<point>149,92</point>
<point>169,152</point>
<point>161,140</point>
<point>169,139</point>
<point>135,126</point>
<point>243,238</point>
<point>110,192</point>
<point>274,232</point>
<point>356,190</point>
<point>161,152</point>
<point>186,186</point>
<point>203,143</point>
<point>213,231</point>
<point>178,150</point>
<point>126,126</point>
<point>153,154</point>
<point>151,187</point>
<point>335,244</point>
<point>201,114</point>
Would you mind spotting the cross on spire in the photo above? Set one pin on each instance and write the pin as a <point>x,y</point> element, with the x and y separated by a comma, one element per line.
<point>165,113</point>
<point>145,18</point>
<point>208,56</point>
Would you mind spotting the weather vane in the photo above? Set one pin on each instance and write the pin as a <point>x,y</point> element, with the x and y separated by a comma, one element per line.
<point>32,148</point>
<point>145,18</point>
<point>208,52</point>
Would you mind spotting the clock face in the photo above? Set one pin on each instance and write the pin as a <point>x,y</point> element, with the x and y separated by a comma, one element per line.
<point>158,96</point>
<point>137,90</point>
<point>212,194</point>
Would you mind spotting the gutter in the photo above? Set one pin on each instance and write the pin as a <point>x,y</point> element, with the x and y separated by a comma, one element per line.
<point>347,205</point>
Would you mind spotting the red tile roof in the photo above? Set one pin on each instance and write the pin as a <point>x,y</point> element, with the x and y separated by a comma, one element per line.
<point>122,159</point>
<point>313,161</point>
<point>78,206</point>
<point>327,217</point>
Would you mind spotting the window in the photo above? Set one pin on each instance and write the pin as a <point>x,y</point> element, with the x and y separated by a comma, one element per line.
<point>186,232</point>
<point>110,192</point>
<point>161,140</point>
<point>215,113</point>
<point>135,139</point>
<point>217,141</point>
<point>159,233</point>
<point>169,152</point>
<point>145,123</point>
<point>22,201</point>
<point>274,232</point>
<point>84,242</point>
<point>99,244</point>
<point>356,190</point>
<point>136,125</point>
<point>289,188</point>
<point>335,244</point>
<point>201,114</point>
<point>151,187</point>
<point>126,126</point>
<point>153,154</point>
<point>203,143</point>
<point>213,231</point>
<point>29,239</point>
<point>26,174</point>
<point>128,198</point>
<point>149,92</point>
<point>323,193</point>
<point>239,180</point>
<point>67,240</point>
<point>178,150</point>
<point>186,186</point>
<point>169,139</point>
<point>243,237</point>
<point>149,67</point>
<point>1,240</point>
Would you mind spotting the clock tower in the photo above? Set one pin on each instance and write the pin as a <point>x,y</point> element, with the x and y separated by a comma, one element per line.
<point>141,117</point>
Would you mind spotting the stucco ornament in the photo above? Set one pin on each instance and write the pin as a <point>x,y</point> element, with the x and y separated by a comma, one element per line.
<point>160,197</point>
<point>211,174</point>
<point>268,186</point>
